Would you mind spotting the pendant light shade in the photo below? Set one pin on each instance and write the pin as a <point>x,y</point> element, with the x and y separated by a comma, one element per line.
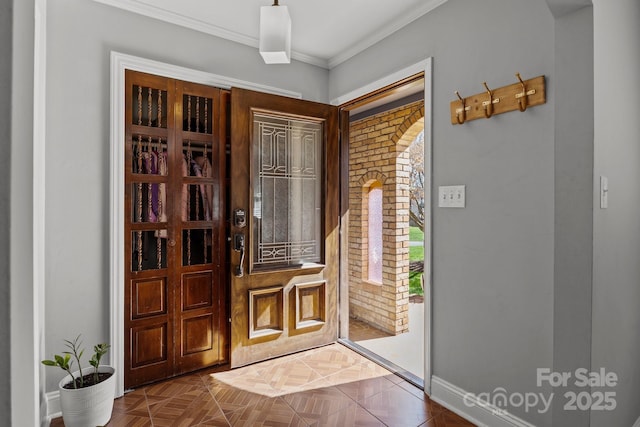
<point>275,34</point>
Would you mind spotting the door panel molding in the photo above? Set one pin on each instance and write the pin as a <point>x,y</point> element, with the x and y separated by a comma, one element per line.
<point>266,314</point>
<point>310,308</point>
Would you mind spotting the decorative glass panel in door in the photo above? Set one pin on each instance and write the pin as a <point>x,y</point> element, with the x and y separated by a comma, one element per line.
<point>287,185</point>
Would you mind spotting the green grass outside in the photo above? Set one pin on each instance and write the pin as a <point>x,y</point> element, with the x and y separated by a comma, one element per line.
<point>414,283</point>
<point>415,234</point>
<point>416,253</point>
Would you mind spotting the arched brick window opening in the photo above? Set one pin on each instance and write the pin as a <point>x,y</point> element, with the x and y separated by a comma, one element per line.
<point>374,233</point>
<point>379,216</point>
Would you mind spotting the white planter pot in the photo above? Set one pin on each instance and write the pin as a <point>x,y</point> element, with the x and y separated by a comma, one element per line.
<point>88,406</point>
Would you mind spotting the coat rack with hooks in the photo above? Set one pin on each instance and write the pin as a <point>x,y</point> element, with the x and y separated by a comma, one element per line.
<point>484,105</point>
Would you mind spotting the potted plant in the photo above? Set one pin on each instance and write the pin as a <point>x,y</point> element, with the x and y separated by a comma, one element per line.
<point>86,395</point>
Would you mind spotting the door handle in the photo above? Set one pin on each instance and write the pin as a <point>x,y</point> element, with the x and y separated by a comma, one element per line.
<point>238,245</point>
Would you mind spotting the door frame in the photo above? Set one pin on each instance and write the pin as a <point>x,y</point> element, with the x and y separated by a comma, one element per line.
<point>425,67</point>
<point>119,63</point>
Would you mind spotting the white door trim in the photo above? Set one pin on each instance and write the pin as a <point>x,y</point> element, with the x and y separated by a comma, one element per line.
<point>39,205</point>
<point>428,223</point>
<point>385,81</point>
<point>119,63</point>
<point>425,66</point>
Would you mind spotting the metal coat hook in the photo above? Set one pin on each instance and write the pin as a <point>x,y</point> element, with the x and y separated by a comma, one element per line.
<point>522,97</point>
<point>488,105</point>
<point>462,110</point>
<point>519,95</point>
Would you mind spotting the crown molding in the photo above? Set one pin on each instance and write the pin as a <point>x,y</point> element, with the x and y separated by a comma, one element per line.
<point>214,30</point>
<point>384,32</point>
<point>309,59</point>
<point>184,21</point>
<point>197,25</point>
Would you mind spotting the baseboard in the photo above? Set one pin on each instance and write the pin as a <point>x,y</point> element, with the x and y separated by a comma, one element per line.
<point>637,423</point>
<point>478,412</point>
<point>45,421</point>
<point>53,406</point>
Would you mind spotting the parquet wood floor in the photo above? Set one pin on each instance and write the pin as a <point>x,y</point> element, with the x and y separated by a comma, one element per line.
<point>328,386</point>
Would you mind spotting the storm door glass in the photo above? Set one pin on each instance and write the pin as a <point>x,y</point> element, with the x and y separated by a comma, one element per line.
<point>287,158</point>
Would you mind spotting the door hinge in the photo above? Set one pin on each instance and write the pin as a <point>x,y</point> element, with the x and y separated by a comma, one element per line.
<point>229,319</point>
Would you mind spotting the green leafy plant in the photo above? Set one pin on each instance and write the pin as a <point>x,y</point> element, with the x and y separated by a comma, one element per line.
<point>99,350</point>
<point>65,363</point>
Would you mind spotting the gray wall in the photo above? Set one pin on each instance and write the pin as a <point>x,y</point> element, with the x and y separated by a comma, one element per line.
<point>25,371</point>
<point>81,35</point>
<point>573,202</point>
<point>6,16</point>
<point>616,287</point>
<point>493,261</point>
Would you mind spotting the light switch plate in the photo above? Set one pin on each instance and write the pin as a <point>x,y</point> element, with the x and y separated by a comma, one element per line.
<point>604,192</point>
<point>451,196</point>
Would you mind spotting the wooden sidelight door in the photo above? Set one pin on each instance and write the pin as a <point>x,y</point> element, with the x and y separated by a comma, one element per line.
<point>175,279</point>
<point>284,196</point>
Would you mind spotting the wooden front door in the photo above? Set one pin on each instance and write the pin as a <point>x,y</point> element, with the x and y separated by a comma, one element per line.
<point>284,196</point>
<point>175,279</point>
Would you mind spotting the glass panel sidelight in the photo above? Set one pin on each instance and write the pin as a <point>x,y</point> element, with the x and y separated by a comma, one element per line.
<point>149,155</point>
<point>197,159</point>
<point>149,107</point>
<point>148,202</point>
<point>196,246</point>
<point>197,202</point>
<point>287,156</point>
<point>197,113</point>
<point>148,250</point>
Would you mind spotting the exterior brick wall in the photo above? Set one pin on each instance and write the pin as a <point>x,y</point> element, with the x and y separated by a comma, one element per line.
<point>378,154</point>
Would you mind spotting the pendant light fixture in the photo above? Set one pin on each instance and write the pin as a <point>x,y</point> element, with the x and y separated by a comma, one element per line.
<point>275,34</point>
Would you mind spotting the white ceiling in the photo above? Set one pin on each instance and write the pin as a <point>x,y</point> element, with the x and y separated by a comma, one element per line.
<point>324,33</point>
